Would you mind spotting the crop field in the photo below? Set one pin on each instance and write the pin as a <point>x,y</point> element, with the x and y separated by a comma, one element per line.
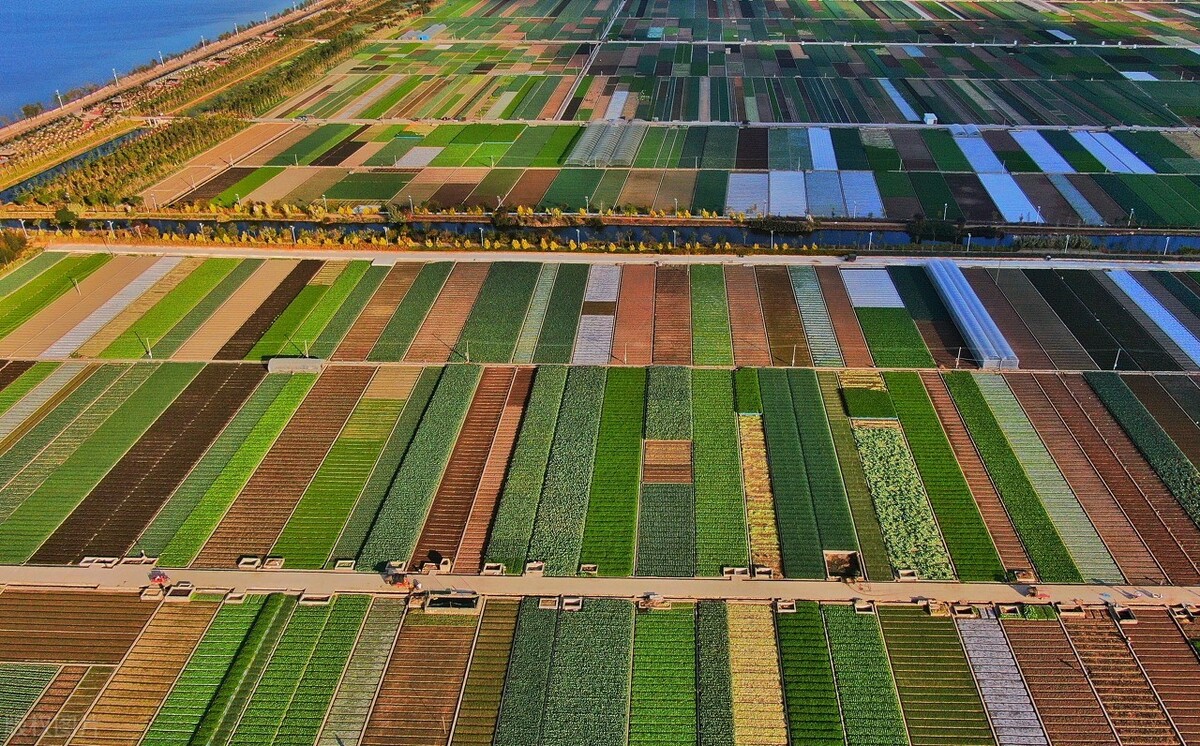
<point>445,431</point>
<point>267,669</point>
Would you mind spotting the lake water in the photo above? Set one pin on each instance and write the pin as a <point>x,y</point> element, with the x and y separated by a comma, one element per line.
<point>62,44</point>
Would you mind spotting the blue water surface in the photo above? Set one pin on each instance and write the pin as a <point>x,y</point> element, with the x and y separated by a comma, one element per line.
<point>61,44</point>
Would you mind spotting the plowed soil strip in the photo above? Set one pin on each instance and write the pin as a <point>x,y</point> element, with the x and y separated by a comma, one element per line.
<point>785,331</point>
<point>375,316</point>
<point>469,557</point>
<point>12,371</point>
<point>64,314</point>
<point>63,727</point>
<point>991,507</point>
<point>253,523</point>
<point>130,701</point>
<point>634,331</point>
<point>447,517</point>
<point>667,462</point>
<point>233,313</point>
<point>672,316</point>
<point>48,706</point>
<point>1051,333</point>
<point>1066,703</point>
<point>1029,352</point>
<point>1168,413</point>
<point>436,339</point>
<point>1172,667</point>
<point>1134,710</point>
<point>248,334</point>
<point>113,515</point>
<point>1123,542</point>
<point>745,317</point>
<point>44,626</point>
<point>420,690</point>
<point>845,322</point>
<point>1167,535</point>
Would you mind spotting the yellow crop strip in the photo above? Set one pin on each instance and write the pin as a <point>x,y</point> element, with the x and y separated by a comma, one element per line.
<point>758,718</point>
<point>760,502</point>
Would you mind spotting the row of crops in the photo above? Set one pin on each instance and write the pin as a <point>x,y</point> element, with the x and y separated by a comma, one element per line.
<point>272,669</point>
<point>526,312</point>
<point>659,471</point>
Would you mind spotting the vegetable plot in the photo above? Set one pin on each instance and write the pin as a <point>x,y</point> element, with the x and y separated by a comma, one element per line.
<point>715,696</point>
<point>909,529</point>
<point>662,708</point>
<point>754,668</point>
<point>522,704</point>
<point>721,539</point>
<point>865,688</point>
<point>812,702</point>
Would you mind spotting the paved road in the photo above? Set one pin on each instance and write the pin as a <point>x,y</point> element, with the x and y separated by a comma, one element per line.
<point>317,582</point>
<point>394,255</point>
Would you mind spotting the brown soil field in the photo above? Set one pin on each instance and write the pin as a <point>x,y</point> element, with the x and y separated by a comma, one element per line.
<point>248,334</point>
<point>672,317</point>
<point>70,626</point>
<point>745,317</point>
<point>785,331</point>
<point>1053,336</point>
<point>365,331</point>
<point>1029,352</point>
<point>436,339</point>
<point>1171,666</point>
<point>633,332</point>
<point>845,323</point>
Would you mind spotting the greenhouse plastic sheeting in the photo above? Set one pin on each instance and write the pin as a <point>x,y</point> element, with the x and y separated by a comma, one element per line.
<point>821,142</point>
<point>747,193</point>
<point>893,93</point>
<point>593,343</point>
<point>1165,320</point>
<point>825,194</point>
<point>983,337</point>
<point>862,194</point>
<point>1112,155</point>
<point>1012,203</point>
<point>1042,153</point>
<point>978,154</point>
<point>787,195</point>
<point>871,288</point>
<point>1075,198</point>
<point>1125,155</point>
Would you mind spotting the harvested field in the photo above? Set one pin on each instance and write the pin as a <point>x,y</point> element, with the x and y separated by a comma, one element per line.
<point>750,345</point>
<point>672,317</point>
<point>1132,706</point>
<point>362,336</point>
<point>1169,415</point>
<point>133,696</point>
<point>850,337</point>
<point>1018,336</point>
<point>633,332</point>
<point>113,515</point>
<point>469,557</point>
<point>1170,664</point>
<point>67,626</point>
<point>1051,333</point>
<point>248,334</point>
<point>48,706</point>
<point>1065,701</point>
<point>667,462</point>
<point>1158,531</point>
<point>257,517</point>
<point>785,331</point>
<point>436,340</point>
<point>1130,554</point>
<point>214,332</point>
<point>447,519</point>
<point>412,707</point>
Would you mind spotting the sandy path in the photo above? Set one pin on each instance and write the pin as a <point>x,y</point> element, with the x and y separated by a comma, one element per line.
<point>64,314</point>
<point>226,320</point>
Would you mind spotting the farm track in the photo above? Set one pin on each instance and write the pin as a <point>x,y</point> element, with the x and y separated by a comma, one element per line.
<point>750,346</point>
<point>1132,706</point>
<point>447,518</point>
<point>256,518</point>
<point>243,340</point>
<point>991,507</point>
<point>849,335</point>
<point>420,689</point>
<point>785,330</point>
<point>1172,667</point>
<point>1169,415</point>
<point>672,316</point>
<point>1162,533</point>
<point>633,331</point>
<point>70,626</point>
<point>48,706</point>
<point>108,521</point>
<point>135,692</point>
<point>1064,699</point>
<point>469,557</point>
<point>1123,542</point>
<point>369,325</point>
<point>1051,333</point>
<point>1011,325</point>
<point>436,340</point>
